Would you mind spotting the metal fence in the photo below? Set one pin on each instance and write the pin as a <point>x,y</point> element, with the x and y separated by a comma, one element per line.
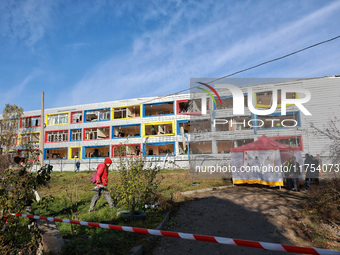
<point>60,165</point>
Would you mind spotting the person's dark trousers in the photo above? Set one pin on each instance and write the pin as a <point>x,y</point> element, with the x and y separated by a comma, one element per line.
<point>307,183</point>
<point>97,195</point>
<point>289,183</point>
<point>296,184</point>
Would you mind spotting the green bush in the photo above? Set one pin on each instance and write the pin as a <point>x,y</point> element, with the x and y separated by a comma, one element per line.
<point>17,193</point>
<point>136,183</point>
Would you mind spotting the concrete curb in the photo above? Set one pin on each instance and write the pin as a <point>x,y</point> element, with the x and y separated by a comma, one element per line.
<point>139,249</point>
<point>190,192</point>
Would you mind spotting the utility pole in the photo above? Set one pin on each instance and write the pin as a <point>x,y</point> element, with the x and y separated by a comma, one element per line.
<point>42,127</point>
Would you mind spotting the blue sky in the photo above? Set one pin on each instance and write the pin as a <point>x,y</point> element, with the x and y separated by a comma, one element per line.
<point>82,52</point>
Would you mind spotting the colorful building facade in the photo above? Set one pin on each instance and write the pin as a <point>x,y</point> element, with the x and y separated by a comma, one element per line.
<point>170,130</point>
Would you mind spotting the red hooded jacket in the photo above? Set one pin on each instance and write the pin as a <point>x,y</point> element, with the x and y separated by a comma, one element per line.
<point>102,174</point>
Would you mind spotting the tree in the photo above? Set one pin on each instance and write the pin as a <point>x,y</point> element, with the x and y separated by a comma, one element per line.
<point>332,132</point>
<point>9,125</point>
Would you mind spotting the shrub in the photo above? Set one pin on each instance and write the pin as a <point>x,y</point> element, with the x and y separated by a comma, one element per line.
<point>136,184</point>
<point>17,193</point>
<point>325,200</point>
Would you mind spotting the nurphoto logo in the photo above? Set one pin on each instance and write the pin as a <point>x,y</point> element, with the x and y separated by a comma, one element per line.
<point>238,99</point>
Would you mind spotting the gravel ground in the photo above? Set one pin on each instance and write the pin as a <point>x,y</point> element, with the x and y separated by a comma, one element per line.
<point>250,213</point>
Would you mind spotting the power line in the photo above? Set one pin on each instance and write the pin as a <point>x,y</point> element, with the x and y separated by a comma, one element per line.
<point>275,59</point>
<point>252,67</point>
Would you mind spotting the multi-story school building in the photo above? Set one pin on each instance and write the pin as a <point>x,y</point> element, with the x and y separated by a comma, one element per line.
<point>163,128</point>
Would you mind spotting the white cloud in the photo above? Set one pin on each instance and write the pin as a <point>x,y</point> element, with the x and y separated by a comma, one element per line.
<point>25,21</point>
<point>163,60</point>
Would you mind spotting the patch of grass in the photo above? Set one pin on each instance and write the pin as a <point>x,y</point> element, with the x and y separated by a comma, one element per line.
<point>324,200</point>
<point>317,233</point>
<point>69,194</point>
<point>179,180</point>
<point>319,220</point>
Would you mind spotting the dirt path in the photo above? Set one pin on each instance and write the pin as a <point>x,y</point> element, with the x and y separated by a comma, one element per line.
<point>250,213</point>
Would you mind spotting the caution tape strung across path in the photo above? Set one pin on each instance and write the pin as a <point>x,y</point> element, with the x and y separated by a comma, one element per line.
<point>212,239</point>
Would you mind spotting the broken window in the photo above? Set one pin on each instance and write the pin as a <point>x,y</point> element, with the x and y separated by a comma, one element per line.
<point>278,121</point>
<point>56,136</point>
<point>57,119</point>
<point>97,151</point>
<point>30,155</point>
<point>126,150</point>
<point>56,153</point>
<point>204,147</point>
<point>76,117</point>
<point>97,115</point>
<point>126,131</point>
<point>8,125</point>
<point>293,141</point>
<point>97,133</point>
<point>75,152</point>
<point>241,142</point>
<point>234,124</point>
<point>132,111</point>
<point>224,146</point>
<point>191,106</point>
<point>227,103</point>
<point>160,149</point>
<point>29,138</point>
<point>159,128</point>
<point>265,99</point>
<point>183,127</point>
<point>76,134</point>
<point>200,126</point>
<point>183,148</point>
<point>28,122</point>
<point>13,139</point>
<point>164,108</point>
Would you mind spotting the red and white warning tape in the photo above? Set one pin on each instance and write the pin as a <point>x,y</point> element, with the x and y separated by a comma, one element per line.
<point>212,239</point>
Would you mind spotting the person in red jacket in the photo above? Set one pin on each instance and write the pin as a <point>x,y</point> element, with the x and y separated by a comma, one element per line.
<point>101,185</point>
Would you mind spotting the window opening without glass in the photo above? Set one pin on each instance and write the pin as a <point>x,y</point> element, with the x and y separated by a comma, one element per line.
<point>96,133</point>
<point>128,150</point>
<point>125,112</point>
<point>76,117</point>
<point>29,138</point>
<point>160,149</point>
<point>56,136</point>
<point>97,115</point>
<point>165,108</point>
<point>76,134</point>
<point>57,119</point>
<point>97,151</point>
<point>28,122</point>
<point>126,131</point>
<point>56,153</point>
<point>163,128</point>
